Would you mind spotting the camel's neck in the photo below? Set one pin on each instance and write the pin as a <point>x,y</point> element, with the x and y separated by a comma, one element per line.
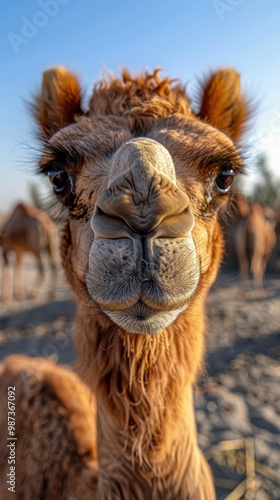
<point>143,386</point>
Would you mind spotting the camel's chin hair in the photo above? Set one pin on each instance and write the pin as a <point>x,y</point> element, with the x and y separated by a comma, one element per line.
<point>151,323</point>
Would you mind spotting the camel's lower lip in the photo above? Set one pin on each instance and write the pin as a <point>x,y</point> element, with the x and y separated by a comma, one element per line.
<point>142,319</point>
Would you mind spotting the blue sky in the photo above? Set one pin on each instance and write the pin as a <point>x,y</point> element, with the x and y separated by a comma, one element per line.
<point>185,38</point>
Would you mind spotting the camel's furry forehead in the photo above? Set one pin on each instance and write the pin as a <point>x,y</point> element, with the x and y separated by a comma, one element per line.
<point>140,99</point>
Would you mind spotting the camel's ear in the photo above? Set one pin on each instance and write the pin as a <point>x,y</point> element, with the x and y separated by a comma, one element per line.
<point>59,100</point>
<point>222,103</point>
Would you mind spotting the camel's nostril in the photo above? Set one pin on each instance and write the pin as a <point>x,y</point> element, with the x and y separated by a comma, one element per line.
<point>162,201</point>
<point>105,225</point>
<point>176,225</point>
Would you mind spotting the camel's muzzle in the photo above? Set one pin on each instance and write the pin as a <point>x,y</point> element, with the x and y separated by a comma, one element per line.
<point>143,256</point>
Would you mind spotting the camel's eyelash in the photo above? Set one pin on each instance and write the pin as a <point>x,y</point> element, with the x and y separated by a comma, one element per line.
<point>228,159</point>
<point>58,157</point>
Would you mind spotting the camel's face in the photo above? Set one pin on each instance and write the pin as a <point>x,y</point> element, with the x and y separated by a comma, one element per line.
<point>150,220</point>
<point>144,237</point>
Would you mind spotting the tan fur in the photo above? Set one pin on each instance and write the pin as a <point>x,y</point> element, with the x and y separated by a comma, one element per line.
<point>27,229</point>
<point>62,88</point>
<point>276,256</point>
<point>59,409</point>
<point>255,239</point>
<point>146,432</point>
<point>223,105</point>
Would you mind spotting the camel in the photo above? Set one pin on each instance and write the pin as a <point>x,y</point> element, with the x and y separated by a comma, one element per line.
<point>143,177</point>
<point>36,381</point>
<point>254,238</point>
<point>277,246</point>
<point>27,229</point>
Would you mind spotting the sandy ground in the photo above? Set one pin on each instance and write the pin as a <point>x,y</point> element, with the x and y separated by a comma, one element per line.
<point>238,394</point>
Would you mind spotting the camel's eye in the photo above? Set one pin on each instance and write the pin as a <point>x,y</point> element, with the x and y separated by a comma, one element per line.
<point>59,180</point>
<point>224,180</point>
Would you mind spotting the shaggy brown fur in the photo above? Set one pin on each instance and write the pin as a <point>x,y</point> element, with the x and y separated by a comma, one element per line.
<point>53,415</point>
<point>136,129</point>
<point>28,230</point>
<point>255,239</point>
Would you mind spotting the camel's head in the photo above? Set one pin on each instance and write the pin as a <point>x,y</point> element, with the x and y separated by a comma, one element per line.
<point>142,177</point>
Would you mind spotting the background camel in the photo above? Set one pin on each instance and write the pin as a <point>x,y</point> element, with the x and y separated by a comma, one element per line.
<point>27,229</point>
<point>276,256</point>
<point>143,178</point>
<point>254,238</point>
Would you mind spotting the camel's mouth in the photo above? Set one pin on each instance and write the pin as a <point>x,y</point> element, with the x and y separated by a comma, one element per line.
<point>142,319</point>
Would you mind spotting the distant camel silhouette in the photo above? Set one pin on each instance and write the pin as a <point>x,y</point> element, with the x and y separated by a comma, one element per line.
<point>27,230</point>
<point>254,239</point>
<point>277,232</point>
